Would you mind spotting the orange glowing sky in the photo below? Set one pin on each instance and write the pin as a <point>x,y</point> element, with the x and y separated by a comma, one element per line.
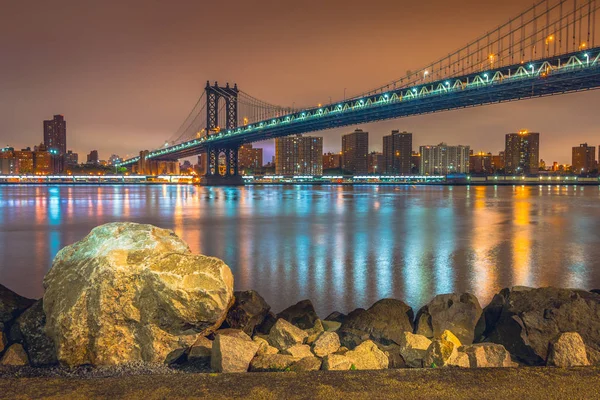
<point>126,73</point>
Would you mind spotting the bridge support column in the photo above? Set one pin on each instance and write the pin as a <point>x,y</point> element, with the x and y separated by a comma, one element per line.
<point>222,168</point>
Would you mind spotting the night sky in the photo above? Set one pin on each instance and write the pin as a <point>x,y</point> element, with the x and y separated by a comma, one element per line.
<point>126,73</point>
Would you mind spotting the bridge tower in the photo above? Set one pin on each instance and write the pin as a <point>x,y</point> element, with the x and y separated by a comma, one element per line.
<point>222,160</point>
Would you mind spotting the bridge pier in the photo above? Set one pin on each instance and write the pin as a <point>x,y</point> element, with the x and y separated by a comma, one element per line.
<point>222,167</point>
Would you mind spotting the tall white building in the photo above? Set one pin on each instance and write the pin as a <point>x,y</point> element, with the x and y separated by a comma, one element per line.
<point>444,160</point>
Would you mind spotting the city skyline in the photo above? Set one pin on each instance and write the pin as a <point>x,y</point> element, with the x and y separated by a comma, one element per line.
<point>146,107</point>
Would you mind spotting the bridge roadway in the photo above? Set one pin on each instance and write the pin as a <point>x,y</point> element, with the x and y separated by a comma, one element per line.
<point>550,76</point>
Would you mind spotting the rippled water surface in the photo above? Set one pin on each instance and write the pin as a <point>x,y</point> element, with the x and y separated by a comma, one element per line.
<point>341,246</point>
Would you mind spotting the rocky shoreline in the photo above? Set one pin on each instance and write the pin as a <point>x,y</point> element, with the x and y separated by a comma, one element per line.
<point>132,299</point>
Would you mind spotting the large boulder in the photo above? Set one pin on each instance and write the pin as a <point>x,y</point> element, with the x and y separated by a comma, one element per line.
<point>29,328</point>
<point>11,306</point>
<point>444,353</point>
<point>487,355</point>
<point>301,314</point>
<point>568,350</point>
<point>129,292</point>
<point>298,351</point>
<point>232,353</point>
<point>367,356</point>
<point>525,321</point>
<point>248,311</point>
<point>456,312</point>
<point>413,349</point>
<point>336,362</point>
<point>384,322</point>
<point>327,343</point>
<point>284,335</point>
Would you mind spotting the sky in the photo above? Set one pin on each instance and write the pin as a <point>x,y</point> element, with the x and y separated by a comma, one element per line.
<point>125,73</point>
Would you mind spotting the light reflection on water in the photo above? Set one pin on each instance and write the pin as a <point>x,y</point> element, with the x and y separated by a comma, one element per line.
<point>341,246</point>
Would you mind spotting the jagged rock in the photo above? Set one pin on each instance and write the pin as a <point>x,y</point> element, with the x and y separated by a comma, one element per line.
<point>301,314</point>
<point>15,356</point>
<point>307,364</point>
<point>526,320</point>
<point>352,337</point>
<point>232,353</point>
<point>336,317</point>
<point>264,347</point>
<point>484,355</point>
<point>129,292</point>
<point>336,362</point>
<point>31,330</point>
<point>456,312</point>
<point>11,305</point>
<point>568,350</point>
<point>384,322</point>
<point>331,326</point>
<point>231,332</point>
<point>327,343</point>
<point>284,335</point>
<point>443,353</point>
<point>298,351</point>
<point>449,336</point>
<point>267,324</point>
<point>461,360</point>
<point>248,311</point>
<point>413,349</point>
<point>342,350</point>
<point>314,332</point>
<point>271,362</point>
<point>392,351</point>
<point>201,350</point>
<point>368,356</point>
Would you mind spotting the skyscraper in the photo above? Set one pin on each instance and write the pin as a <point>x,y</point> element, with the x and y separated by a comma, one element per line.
<point>444,160</point>
<point>355,148</point>
<point>299,155</point>
<point>249,159</point>
<point>397,153</point>
<point>55,135</point>
<point>584,159</point>
<point>522,153</point>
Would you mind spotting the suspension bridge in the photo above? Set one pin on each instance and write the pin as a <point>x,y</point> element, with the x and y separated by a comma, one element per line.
<point>548,49</point>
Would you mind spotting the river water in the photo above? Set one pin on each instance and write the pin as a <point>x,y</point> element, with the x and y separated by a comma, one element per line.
<point>341,246</point>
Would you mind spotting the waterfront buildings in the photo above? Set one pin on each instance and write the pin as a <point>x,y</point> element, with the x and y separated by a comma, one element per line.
<point>498,162</point>
<point>583,159</point>
<point>332,161</point>
<point>522,153</point>
<point>71,158</point>
<point>92,158</point>
<point>355,150</point>
<point>480,163</point>
<point>376,163</point>
<point>397,152</point>
<point>299,155</point>
<point>114,159</point>
<point>55,141</point>
<point>443,159</point>
<point>249,159</point>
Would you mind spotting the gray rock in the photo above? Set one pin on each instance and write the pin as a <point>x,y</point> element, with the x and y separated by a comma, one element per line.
<point>336,362</point>
<point>14,356</point>
<point>248,311</point>
<point>568,350</point>
<point>327,343</point>
<point>526,320</point>
<point>301,314</point>
<point>201,350</point>
<point>31,330</point>
<point>384,322</point>
<point>457,312</point>
<point>413,349</point>
<point>367,356</point>
<point>232,353</point>
<point>284,335</point>
<point>11,305</point>
<point>307,364</point>
<point>487,355</point>
<point>271,363</point>
<point>132,293</point>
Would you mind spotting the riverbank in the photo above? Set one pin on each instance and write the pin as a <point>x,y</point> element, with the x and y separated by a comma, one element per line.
<point>508,383</point>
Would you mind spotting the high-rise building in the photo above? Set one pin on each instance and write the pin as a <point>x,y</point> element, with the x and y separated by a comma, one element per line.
<point>249,159</point>
<point>25,158</point>
<point>444,160</point>
<point>498,162</point>
<point>71,158</point>
<point>522,153</point>
<point>332,161</point>
<point>480,163</point>
<point>584,159</point>
<point>355,149</point>
<point>397,152</point>
<point>92,158</point>
<point>299,155</point>
<point>376,163</point>
<point>55,134</point>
